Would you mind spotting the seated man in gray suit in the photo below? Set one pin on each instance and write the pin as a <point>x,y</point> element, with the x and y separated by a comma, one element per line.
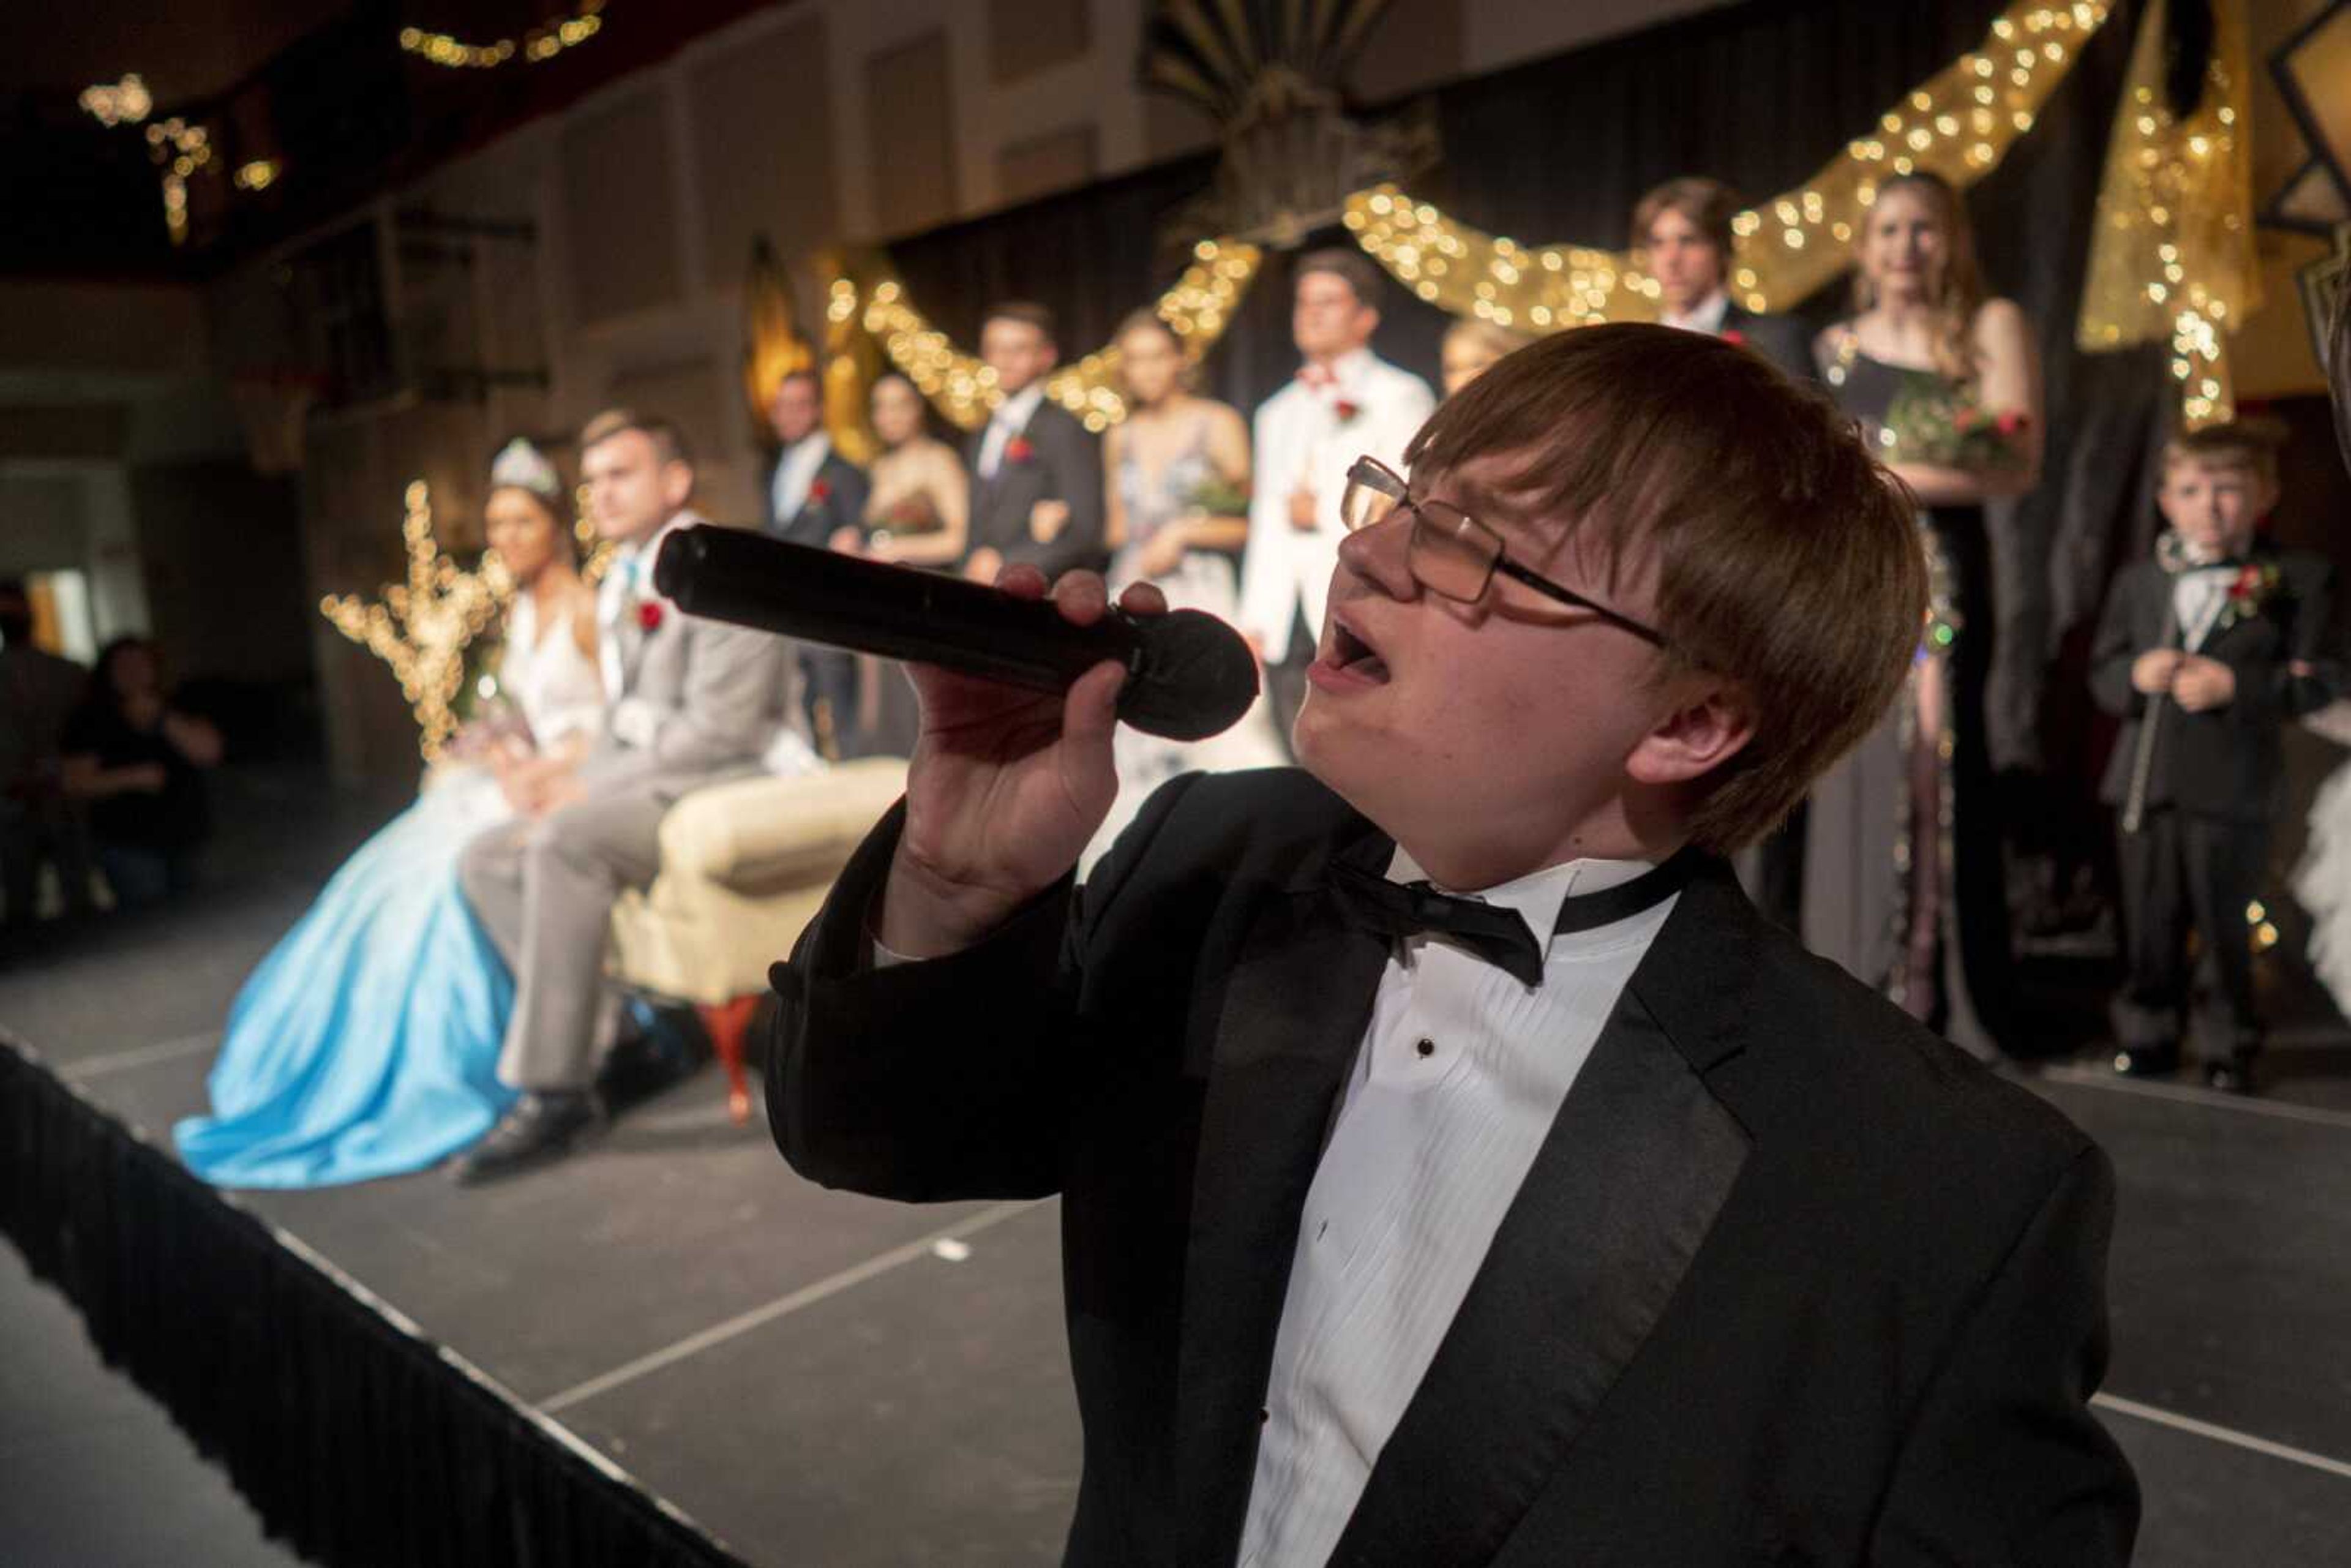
<point>692,702</point>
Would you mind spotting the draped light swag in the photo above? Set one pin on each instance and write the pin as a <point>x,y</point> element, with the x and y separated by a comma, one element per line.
<point>2171,255</point>
<point>1958,123</point>
<point>1196,308</point>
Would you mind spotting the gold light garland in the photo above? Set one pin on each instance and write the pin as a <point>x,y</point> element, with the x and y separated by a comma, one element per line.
<point>1197,309</point>
<point>125,102</point>
<point>2172,258</point>
<point>180,150</point>
<point>538,45</point>
<point>1958,123</point>
<point>423,628</point>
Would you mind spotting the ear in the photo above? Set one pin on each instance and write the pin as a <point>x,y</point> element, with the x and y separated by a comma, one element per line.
<point>1708,724</point>
<point>677,484</point>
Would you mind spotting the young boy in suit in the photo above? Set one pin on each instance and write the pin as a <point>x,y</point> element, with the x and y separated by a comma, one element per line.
<point>2205,653</point>
<point>1454,1167</point>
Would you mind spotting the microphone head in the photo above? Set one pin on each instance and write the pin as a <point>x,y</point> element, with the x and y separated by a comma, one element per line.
<point>1195,678</point>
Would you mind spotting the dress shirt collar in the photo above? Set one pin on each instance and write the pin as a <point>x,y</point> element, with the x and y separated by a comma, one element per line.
<point>1705,317</point>
<point>1347,375</point>
<point>1015,412</point>
<point>1539,896</point>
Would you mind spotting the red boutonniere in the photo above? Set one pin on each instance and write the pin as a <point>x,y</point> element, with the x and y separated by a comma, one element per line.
<point>1019,449</point>
<point>2255,584</point>
<point>649,614</point>
<point>1347,409</point>
<point>819,492</point>
<point>1734,336</point>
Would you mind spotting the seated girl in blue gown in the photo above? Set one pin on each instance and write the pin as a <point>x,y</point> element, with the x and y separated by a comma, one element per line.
<point>367,1044</point>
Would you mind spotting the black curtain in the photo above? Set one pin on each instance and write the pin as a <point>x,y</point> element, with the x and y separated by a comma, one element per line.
<point>1558,150</point>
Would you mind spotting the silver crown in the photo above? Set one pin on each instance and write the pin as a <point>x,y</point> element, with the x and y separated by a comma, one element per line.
<point>525,467</point>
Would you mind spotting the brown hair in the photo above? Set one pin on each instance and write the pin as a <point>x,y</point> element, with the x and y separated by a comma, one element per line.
<point>1787,558</point>
<point>2251,444</point>
<point>1961,292</point>
<point>1028,312</point>
<point>1351,268</point>
<point>669,442</point>
<point>1708,205</point>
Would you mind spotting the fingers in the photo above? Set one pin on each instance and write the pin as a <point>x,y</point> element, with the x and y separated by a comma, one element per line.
<point>1021,581</point>
<point>1082,597</point>
<point>1144,598</point>
<point>1090,712</point>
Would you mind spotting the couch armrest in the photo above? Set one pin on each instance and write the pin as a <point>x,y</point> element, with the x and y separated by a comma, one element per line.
<point>765,834</point>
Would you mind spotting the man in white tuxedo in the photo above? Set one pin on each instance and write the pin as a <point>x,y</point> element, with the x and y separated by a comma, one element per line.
<point>1345,402</point>
<point>691,702</point>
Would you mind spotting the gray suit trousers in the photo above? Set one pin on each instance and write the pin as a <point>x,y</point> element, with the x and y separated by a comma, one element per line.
<point>544,891</point>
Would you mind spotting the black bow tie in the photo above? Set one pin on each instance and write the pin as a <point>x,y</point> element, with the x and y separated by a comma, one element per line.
<point>1400,909</point>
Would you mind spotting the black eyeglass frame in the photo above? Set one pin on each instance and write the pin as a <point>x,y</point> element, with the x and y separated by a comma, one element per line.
<point>1373,474</point>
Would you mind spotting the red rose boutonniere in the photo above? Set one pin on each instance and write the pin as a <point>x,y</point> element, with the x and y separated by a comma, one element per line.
<point>2255,585</point>
<point>819,493</point>
<point>1019,449</point>
<point>1346,409</point>
<point>649,614</point>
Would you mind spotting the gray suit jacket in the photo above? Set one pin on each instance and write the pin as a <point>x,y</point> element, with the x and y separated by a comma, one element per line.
<point>711,699</point>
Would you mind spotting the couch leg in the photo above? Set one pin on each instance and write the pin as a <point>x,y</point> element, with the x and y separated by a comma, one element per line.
<point>727,1023</point>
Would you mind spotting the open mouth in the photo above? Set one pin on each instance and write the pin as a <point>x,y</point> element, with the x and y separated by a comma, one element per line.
<point>1351,655</point>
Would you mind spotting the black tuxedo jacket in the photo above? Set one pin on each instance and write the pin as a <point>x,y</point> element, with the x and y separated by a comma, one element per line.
<point>2224,762</point>
<point>842,504</point>
<point>1778,338</point>
<point>1063,465</point>
<point>1791,1280</point>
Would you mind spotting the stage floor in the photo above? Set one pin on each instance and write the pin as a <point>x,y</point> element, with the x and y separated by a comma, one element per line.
<point>818,1378</point>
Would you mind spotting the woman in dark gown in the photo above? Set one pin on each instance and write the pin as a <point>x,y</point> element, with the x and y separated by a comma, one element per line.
<point>1903,879</point>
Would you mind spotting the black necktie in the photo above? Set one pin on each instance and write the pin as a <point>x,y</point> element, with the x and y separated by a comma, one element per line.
<point>1370,902</point>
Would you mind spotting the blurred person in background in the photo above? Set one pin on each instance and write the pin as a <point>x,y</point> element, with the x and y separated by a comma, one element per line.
<point>138,763</point>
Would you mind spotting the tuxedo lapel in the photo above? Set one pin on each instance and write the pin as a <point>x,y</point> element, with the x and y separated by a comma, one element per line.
<point>1295,1009</point>
<point>1620,1198</point>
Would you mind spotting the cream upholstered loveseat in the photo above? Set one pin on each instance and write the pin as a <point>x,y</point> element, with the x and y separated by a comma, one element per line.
<point>745,866</point>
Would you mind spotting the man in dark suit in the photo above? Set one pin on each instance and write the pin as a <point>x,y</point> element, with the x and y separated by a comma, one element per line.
<point>1682,233</point>
<point>2205,654</point>
<point>1454,1168</point>
<point>812,491</point>
<point>1035,474</point>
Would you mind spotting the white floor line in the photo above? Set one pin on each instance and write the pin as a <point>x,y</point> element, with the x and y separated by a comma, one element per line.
<point>2227,1435</point>
<point>143,1056</point>
<point>806,1295</point>
<point>2180,1093</point>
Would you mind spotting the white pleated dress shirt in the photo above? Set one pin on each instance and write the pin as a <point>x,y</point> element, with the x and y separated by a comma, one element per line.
<point>2198,596</point>
<point>1460,1077</point>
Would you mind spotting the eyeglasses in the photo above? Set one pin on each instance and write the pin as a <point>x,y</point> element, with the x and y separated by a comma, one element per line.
<point>1452,553</point>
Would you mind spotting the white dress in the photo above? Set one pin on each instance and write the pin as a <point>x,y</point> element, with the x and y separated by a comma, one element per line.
<point>2322,881</point>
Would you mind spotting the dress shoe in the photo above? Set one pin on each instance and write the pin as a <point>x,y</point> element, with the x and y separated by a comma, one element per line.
<point>2148,1060</point>
<point>2232,1077</point>
<point>539,1130</point>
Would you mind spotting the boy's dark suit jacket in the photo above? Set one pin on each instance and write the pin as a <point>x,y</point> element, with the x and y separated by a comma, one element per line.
<point>1778,338</point>
<point>2223,762</point>
<point>842,506</point>
<point>1064,464</point>
<point>1791,1280</point>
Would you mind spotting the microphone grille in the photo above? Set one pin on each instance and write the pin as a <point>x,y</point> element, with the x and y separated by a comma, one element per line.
<point>1195,679</point>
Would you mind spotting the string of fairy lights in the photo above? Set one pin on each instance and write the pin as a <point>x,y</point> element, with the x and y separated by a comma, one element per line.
<point>1197,309</point>
<point>535,47</point>
<point>2171,257</point>
<point>421,628</point>
<point>1958,123</point>
<point>180,147</point>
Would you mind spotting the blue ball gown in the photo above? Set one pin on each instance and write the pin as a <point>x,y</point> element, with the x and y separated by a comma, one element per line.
<point>367,1044</point>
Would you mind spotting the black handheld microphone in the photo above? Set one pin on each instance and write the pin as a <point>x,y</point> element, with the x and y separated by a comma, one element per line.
<point>1188,674</point>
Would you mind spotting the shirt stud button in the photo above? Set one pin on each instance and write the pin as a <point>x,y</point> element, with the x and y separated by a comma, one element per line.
<point>1425,1046</point>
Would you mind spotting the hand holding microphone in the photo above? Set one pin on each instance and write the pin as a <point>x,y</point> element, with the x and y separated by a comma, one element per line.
<point>1012,774</point>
